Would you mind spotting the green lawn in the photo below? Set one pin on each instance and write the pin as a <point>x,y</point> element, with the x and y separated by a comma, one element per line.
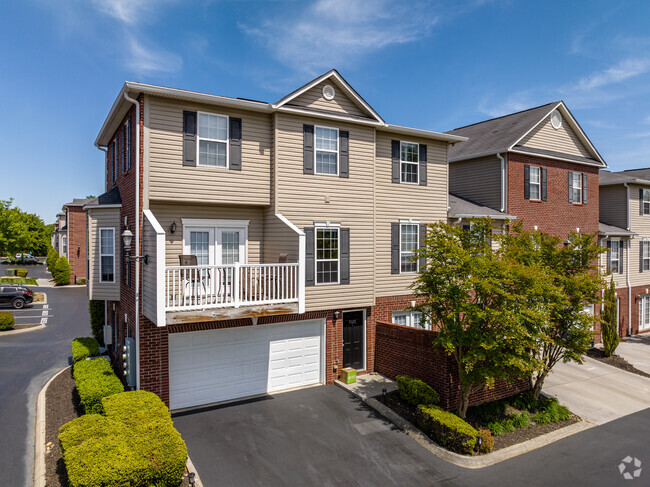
<point>18,280</point>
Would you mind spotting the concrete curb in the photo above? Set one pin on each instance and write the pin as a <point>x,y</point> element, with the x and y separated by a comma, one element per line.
<point>17,332</point>
<point>192,468</point>
<point>478,461</point>
<point>39,441</point>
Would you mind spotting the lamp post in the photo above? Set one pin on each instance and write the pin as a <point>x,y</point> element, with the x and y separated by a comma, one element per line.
<point>127,238</point>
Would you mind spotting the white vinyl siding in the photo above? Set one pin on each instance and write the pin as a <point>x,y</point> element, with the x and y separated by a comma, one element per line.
<point>535,183</point>
<point>327,150</point>
<point>212,140</point>
<point>327,255</point>
<point>409,162</point>
<point>107,255</point>
<point>408,245</point>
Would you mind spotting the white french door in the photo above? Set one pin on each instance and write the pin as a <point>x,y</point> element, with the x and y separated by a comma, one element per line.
<point>230,249</point>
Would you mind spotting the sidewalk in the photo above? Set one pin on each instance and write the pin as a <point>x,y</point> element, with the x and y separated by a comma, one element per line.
<point>636,350</point>
<point>597,392</point>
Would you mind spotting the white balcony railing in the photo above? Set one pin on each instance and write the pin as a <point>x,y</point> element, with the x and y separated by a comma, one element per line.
<point>222,286</point>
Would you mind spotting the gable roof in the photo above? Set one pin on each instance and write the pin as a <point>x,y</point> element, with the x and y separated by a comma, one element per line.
<point>332,74</point>
<point>110,198</point>
<point>636,176</point>
<point>464,208</point>
<point>503,134</point>
<point>612,231</point>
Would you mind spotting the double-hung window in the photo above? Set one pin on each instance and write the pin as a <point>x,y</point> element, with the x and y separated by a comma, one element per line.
<point>327,150</point>
<point>645,255</point>
<point>645,201</point>
<point>327,255</point>
<point>576,187</point>
<point>128,144</point>
<point>123,152</point>
<point>409,318</point>
<point>64,245</point>
<point>115,160</point>
<point>409,162</point>
<point>644,312</point>
<point>408,246</point>
<point>535,183</point>
<point>212,136</point>
<point>107,255</point>
<point>614,255</point>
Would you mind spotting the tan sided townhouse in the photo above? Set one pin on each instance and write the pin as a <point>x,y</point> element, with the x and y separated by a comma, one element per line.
<point>265,240</point>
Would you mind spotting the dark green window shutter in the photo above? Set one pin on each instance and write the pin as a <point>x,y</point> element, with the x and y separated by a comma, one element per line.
<point>641,245</point>
<point>641,202</point>
<point>394,248</point>
<point>621,251</point>
<point>423,165</point>
<point>395,160</point>
<point>123,149</point>
<point>344,246</point>
<point>544,185</point>
<point>423,233</point>
<point>235,144</point>
<point>310,260</point>
<point>609,255</point>
<point>570,187</point>
<point>308,149</point>
<point>527,181</point>
<point>584,188</point>
<point>344,154</point>
<point>189,138</point>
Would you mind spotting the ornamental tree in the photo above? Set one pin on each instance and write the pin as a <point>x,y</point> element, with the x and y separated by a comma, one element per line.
<point>486,305</point>
<point>608,321</point>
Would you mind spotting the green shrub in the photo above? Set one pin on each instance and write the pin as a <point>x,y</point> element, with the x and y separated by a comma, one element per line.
<point>487,441</point>
<point>96,308</point>
<point>501,427</point>
<point>488,412</point>
<point>83,348</point>
<point>6,320</point>
<point>81,281</point>
<point>447,429</point>
<point>416,392</point>
<point>524,401</point>
<point>520,420</point>
<point>62,271</point>
<point>86,427</point>
<point>551,412</point>
<point>95,380</point>
<point>22,272</point>
<point>136,408</point>
<point>52,256</point>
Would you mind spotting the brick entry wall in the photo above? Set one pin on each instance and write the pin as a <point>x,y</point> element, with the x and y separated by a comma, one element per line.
<point>405,350</point>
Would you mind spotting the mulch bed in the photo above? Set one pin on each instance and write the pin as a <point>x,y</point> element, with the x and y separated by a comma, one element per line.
<point>614,361</point>
<point>409,413</point>
<point>62,405</point>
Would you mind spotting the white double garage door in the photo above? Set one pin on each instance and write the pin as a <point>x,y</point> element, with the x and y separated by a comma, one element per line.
<point>218,365</point>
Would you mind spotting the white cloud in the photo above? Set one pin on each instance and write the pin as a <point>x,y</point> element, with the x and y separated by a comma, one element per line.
<point>516,102</point>
<point>628,68</point>
<point>332,33</point>
<point>129,11</point>
<point>150,60</point>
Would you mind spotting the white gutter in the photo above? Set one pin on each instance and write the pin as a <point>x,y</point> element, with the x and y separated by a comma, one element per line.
<point>503,181</point>
<point>137,237</point>
<point>424,133</point>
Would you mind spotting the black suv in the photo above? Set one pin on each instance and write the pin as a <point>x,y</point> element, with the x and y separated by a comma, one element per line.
<point>16,296</point>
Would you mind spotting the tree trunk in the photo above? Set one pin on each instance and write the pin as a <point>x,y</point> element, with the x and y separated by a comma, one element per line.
<point>539,382</point>
<point>463,401</point>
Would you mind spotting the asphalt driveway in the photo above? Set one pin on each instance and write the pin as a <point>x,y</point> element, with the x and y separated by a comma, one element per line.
<point>317,436</point>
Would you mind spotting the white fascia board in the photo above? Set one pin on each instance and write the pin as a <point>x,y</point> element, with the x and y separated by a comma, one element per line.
<point>556,158</point>
<point>101,207</point>
<point>286,221</point>
<point>429,134</point>
<point>330,116</point>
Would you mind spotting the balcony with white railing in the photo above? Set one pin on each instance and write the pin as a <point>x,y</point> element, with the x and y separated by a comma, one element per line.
<point>189,288</point>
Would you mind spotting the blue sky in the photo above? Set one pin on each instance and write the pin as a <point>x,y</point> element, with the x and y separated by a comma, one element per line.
<point>428,64</point>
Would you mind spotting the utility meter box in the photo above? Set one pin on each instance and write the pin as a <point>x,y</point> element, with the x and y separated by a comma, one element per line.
<point>348,375</point>
<point>108,335</point>
<point>128,361</point>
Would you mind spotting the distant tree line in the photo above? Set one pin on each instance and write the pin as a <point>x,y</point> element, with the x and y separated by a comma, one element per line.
<point>22,232</point>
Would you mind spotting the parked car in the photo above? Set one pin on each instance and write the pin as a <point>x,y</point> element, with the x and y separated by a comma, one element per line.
<point>26,259</point>
<point>16,296</point>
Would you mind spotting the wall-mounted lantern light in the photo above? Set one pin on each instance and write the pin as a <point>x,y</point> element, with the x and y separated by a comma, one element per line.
<point>127,238</point>
<point>172,227</point>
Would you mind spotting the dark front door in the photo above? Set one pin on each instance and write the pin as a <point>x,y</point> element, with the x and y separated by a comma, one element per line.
<point>353,339</point>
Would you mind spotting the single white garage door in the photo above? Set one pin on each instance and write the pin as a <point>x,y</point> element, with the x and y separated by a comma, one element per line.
<point>217,365</point>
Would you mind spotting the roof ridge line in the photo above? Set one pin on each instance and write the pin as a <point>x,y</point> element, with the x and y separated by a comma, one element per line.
<point>507,115</point>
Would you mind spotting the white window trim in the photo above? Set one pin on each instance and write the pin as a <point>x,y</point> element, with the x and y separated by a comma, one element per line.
<point>401,142</point>
<point>618,253</point>
<point>112,230</point>
<point>645,302</point>
<point>417,239</point>
<point>645,192</point>
<point>327,226</point>
<point>213,226</point>
<point>574,187</point>
<point>645,253</point>
<point>410,320</point>
<point>199,138</point>
<point>538,183</point>
<point>338,157</point>
<point>64,245</point>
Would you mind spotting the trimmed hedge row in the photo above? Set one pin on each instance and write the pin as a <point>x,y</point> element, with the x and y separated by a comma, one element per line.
<point>95,380</point>
<point>447,429</point>
<point>20,272</point>
<point>7,320</point>
<point>83,348</point>
<point>135,444</point>
<point>416,392</point>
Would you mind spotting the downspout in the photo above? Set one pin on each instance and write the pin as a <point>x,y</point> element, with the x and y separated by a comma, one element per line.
<point>88,279</point>
<point>137,238</point>
<point>503,182</point>
<point>627,269</point>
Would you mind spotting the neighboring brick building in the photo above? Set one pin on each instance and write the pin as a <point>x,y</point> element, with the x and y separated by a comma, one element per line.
<point>73,237</point>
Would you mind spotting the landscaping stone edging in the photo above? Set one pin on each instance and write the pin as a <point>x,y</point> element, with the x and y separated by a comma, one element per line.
<point>39,439</point>
<point>478,461</point>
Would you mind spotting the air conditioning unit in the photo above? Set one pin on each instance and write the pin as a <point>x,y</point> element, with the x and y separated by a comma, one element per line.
<point>108,335</point>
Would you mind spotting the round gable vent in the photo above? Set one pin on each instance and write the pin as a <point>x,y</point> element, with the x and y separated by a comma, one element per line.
<point>328,92</point>
<point>556,119</point>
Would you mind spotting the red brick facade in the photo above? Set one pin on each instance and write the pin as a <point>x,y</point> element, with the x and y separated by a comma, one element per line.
<point>556,215</point>
<point>76,222</point>
<point>410,351</point>
<point>622,294</point>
